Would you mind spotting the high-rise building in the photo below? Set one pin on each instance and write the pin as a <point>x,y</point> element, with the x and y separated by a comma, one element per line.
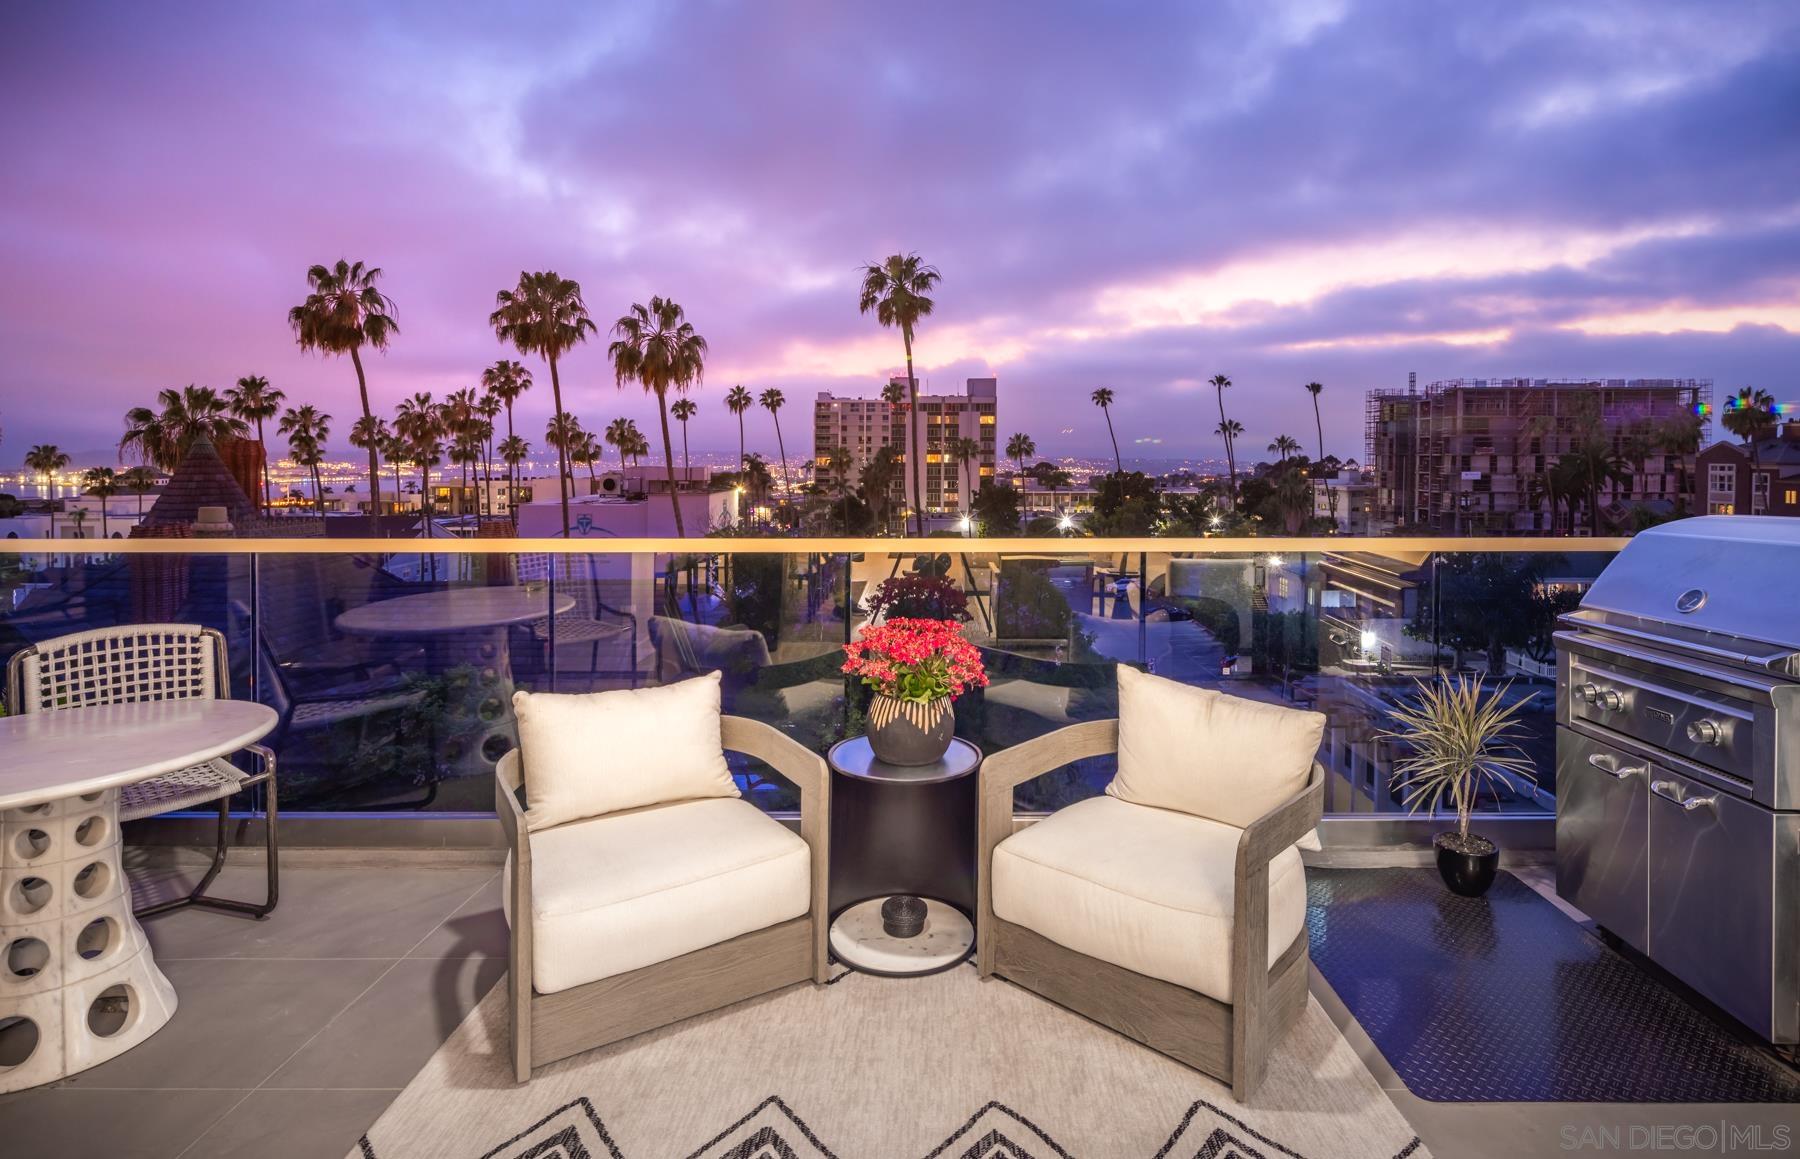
<point>862,426</point>
<point>1480,456</point>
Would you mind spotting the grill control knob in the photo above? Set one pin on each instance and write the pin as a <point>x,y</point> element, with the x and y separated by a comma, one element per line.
<point>1705,732</point>
<point>1589,692</point>
<point>1611,701</point>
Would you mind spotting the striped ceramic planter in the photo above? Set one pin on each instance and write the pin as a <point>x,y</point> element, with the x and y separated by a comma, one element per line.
<point>905,732</point>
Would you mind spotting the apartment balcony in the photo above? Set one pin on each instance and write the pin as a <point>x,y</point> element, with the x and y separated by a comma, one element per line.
<point>368,1013</point>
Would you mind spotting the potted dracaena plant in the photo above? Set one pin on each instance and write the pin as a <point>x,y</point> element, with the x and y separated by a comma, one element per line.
<point>1460,740</point>
<point>915,669</point>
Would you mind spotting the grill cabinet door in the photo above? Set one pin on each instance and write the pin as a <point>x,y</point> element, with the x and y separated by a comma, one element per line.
<point>1602,833</point>
<point>1712,894</point>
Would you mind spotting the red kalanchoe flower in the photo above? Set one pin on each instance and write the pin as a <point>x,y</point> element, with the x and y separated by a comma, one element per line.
<point>917,660</point>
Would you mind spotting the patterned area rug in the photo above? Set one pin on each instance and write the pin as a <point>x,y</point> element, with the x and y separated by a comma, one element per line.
<point>941,1067</point>
<point>1505,998</point>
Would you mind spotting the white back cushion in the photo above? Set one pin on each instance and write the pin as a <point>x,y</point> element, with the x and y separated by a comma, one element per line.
<point>1202,752</point>
<point>595,753</point>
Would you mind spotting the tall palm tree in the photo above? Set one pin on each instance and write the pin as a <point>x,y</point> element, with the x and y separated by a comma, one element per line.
<point>254,400</point>
<point>563,432</point>
<point>1285,446</point>
<point>1019,448</point>
<point>46,459</point>
<point>683,410</point>
<point>737,401</point>
<point>967,452</point>
<point>514,450</point>
<point>344,311</point>
<point>773,400</point>
<point>840,461</point>
<point>462,418</point>
<point>1219,382</point>
<point>880,476</point>
<point>506,380</point>
<point>656,347</point>
<point>140,481</point>
<point>307,429</point>
<point>488,409</point>
<point>162,437</point>
<point>420,424</point>
<point>393,448</point>
<point>545,315</point>
<point>1750,415</point>
<point>587,453</point>
<point>1103,398</point>
<point>1316,389</point>
<point>102,484</point>
<point>370,433</point>
<point>899,291</point>
<point>619,435</point>
<point>636,445</point>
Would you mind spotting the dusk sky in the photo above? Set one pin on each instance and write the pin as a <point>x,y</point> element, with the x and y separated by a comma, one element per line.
<point>1134,196</point>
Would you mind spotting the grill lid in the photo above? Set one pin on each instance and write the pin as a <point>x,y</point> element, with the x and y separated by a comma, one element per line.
<point>1722,584</point>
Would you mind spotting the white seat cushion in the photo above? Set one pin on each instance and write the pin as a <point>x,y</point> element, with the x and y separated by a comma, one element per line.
<point>1146,889</point>
<point>615,893</point>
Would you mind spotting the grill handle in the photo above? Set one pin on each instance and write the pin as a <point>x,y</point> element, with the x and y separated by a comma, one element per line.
<point>1611,767</point>
<point>1670,791</point>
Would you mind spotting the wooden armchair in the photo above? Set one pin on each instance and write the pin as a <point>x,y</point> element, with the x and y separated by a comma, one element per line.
<point>598,853</point>
<point>1227,1034</point>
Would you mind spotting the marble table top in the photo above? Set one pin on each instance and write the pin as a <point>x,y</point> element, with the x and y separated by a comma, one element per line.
<point>46,756</point>
<point>455,610</point>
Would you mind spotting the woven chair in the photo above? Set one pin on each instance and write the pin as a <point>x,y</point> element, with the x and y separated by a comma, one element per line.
<point>140,662</point>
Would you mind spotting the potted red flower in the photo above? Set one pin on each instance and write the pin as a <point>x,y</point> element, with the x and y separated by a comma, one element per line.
<point>915,668</point>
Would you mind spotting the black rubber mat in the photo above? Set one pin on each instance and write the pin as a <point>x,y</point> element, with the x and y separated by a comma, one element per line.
<point>1506,999</point>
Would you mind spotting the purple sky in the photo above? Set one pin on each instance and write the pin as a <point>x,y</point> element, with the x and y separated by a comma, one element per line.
<point>1137,197</point>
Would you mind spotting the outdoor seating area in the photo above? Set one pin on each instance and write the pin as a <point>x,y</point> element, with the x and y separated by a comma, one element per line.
<point>1096,852</point>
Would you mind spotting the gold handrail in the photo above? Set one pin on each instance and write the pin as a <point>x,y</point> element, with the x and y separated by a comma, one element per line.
<point>1206,545</point>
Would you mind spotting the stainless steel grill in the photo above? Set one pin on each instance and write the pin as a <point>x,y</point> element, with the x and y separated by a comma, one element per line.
<point>1678,759</point>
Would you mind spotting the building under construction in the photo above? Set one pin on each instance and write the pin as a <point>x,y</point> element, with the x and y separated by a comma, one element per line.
<point>1479,456</point>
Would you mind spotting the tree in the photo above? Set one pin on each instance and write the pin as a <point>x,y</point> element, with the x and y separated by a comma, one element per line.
<point>307,428</point>
<point>1051,478</point>
<point>1750,415</point>
<point>1679,437</point>
<point>254,400</point>
<point>996,510</point>
<point>506,381</point>
<point>772,401</point>
<point>370,433</point>
<point>840,462</point>
<point>757,479</point>
<point>420,424</point>
<point>1103,398</point>
<point>1019,448</point>
<point>1285,446</point>
<point>880,476</point>
<point>46,459</point>
<point>587,452</point>
<point>393,448</point>
<point>545,315</point>
<point>737,401</point>
<point>514,450</point>
<point>656,347</point>
<point>564,432</point>
<point>102,484</point>
<point>619,435</point>
<point>343,312</point>
<point>1228,430</point>
<point>967,452</point>
<point>1489,602</point>
<point>1125,503</point>
<point>140,481</point>
<point>898,291</point>
<point>162,437</point>
<point>1316,389</point>
<point>487,410</point>
<point>683,410</point>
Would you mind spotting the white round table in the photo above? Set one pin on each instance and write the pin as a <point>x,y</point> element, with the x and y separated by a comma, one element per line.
<point>78,983</point>
<point>455,610</point>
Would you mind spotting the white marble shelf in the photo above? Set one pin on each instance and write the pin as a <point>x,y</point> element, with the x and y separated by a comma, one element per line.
<point>858,940</point>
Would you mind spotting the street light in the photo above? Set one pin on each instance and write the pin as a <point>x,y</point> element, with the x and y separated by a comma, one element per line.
<point>1065,523</point>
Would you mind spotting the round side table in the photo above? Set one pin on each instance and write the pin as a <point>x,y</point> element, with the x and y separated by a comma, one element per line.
<point>900,830</point>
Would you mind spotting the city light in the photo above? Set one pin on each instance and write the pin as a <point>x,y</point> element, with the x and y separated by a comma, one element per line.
<point>1368,641</point>
<point>1276,561</point>
<point>1065,523</point>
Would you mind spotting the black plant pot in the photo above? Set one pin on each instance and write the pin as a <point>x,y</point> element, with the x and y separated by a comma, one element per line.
<point>903,733</point>
<point>1467,872</point>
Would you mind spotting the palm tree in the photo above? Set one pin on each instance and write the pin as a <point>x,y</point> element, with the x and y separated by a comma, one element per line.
<point>1103,398</point>
<point>1679,437</point>
<point>1286,446</point>
<point>162,437</point>
<point>342,313</point>
<point>899,290</point>
<point>1750,415</point>
<point>506,380</point>
<point>1019,448</point>
<point>140,481</point>
<point>1316,389</point>
<point>585,453</point>
<point>514,450</point>
<point>636,445</point>
<point>394,449</point>
<point>102,484</point>
<point>371,434</point>
<point>488,409</point>
<point>1229,430</point>
<point>46,459</point>
<point>545,315</point>
<point>1219,382</point>
<point>880,475</point>
<point>254,400</point>
<point>683,410</point>
<point>420,424</point>
<point>966,451</point>
<point>772,401</point>
<point>564,432</point>
<point>737,401</point>
<point>619,436</point>
<point>658,348</point>
<point>306,430</point>
<point>840,461</point>
<point>1051,478</point>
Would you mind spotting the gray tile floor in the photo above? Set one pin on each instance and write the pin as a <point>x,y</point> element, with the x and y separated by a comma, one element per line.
<point>295,1033</point>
